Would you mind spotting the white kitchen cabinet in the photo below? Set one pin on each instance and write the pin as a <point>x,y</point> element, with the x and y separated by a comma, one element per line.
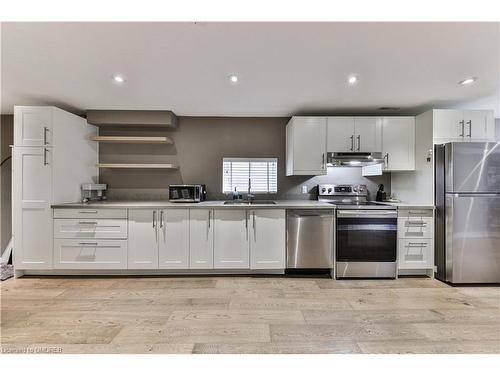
<point>267,234</point>
<point>90,228</point>
<point>32,197</point>
<point>450,125</point>
<point>231,239</point>
<point>398,143</point>
<point>354,134</point>
<point>173,239</point>
<point>201,239</point>
<point>78,254</point>
<point>33,126</point>
<point>368,134</point>
<point>340,134</point>
<point>142,239</point>
<point>306,146</point>
<point>416,240</point>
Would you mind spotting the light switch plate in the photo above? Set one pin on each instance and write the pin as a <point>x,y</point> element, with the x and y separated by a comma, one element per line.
<point>304,189</point>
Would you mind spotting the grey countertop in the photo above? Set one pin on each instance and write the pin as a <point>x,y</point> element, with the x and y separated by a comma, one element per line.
<point>408,205</point>
<point>280,204</point>
<point>283,204</point>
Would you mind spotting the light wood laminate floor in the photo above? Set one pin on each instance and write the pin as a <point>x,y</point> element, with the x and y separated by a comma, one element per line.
<point>246,315</point>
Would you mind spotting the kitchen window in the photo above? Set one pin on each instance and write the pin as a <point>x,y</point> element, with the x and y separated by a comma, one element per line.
<point>262,172</point>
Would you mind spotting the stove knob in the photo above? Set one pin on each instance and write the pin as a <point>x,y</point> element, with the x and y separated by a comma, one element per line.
<point>361,189</point>
<point>329,190</point>
<point>323,190</point>
<point>355,189</point>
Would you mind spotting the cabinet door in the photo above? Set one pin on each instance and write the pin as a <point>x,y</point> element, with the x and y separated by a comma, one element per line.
<point>309,145</point>
<point>415,253</point>
<point>90,254</point>
<point>267,245</point>
<point>448,125</point>
<point>340,134</point>
<point>201,239</point>
<point>479,125</point>
<point>32,126</point>
<point>32,215</point>
<point>231,242</point>
<point>368,134</point>
<point>398,143</point>
<point>173,239</point>
<point>142,239</point>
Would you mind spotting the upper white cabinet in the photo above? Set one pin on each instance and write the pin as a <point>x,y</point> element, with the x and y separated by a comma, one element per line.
<point>354,134</point>
<point>33,126</point>
<point>267,239</point>
<point>450,125</point>
<point>32,197</point>
<point>173,239</point>
<point>231,239</point>
<point>306,146</point>
<point>398,143</point>
<point>201,239</point>
<point>142,239</point>
<point>368,134</point>
<point>340,132</point>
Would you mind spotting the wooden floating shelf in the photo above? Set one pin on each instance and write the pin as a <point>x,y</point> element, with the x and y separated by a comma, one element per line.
<point>137,166</point>
<point>129,139</point>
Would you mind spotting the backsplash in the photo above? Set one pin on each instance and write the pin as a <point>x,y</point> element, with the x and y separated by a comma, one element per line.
<point>199,145</point>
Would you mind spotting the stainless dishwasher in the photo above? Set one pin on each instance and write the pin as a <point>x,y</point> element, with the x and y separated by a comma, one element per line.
<point>310,239</point>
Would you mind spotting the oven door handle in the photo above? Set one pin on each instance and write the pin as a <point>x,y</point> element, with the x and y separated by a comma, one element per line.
<point>368,213</point>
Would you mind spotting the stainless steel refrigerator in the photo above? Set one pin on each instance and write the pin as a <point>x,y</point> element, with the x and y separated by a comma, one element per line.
<point>467,196</point>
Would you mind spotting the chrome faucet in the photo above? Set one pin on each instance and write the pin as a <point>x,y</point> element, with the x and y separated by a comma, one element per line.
<point>249,195</point>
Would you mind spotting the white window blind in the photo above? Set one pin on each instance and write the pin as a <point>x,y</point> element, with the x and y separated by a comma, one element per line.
<point>263,173</point>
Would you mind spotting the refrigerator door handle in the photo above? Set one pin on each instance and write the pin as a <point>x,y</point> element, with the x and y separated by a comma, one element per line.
<point>475,195</point>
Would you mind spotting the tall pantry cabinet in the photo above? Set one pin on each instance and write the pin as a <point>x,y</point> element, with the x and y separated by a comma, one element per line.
<point>52,156</point>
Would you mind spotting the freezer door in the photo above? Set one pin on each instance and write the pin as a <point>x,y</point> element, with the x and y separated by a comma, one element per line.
<point>472,238</point>
<point>472,167</point>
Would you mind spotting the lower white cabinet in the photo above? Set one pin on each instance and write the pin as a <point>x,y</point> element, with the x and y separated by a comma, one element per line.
<point>231,240</point>
<point>201,239</point>
<point>415,239</point>
<point>142,239</point>
<point>90,254</point>
<point>173,239</point>
<point>267,245</point>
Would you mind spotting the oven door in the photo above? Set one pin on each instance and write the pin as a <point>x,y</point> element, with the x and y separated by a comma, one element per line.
<point>366,236</point>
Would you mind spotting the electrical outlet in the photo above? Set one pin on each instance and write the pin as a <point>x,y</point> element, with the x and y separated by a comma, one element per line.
<point>304,189</point>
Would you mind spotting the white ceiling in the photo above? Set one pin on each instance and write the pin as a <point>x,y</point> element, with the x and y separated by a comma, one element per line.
<point>283,68</point>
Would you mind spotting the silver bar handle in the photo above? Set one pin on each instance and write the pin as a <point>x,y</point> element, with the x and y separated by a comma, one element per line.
<point>416,244</point>
<point>161,219</point>
<point>45,130</point>
<point>470,128</point>
<point>463,130</point>
<point>45,162</point>
<point>246,223</point>
<point>154,218</point>
<point>417,212</point>
<point>359,142</point>
<point>386,157</point>
<point>88,222</point>
<point>209,218</point>
<point>352,142</point>
<point>87,243</point>
<point>416,223</point>
<point>87,212</point>
<point>323,160</point>
<point>253,212</point>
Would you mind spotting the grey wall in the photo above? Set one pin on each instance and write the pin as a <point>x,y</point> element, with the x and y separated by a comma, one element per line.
<point>200,143</point>
<point>6,139</point>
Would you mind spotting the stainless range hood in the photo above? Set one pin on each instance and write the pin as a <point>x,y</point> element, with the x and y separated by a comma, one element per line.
<point>354,159</point>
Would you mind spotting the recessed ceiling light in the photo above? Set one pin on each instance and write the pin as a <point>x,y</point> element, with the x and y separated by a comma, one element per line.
<point>467,81</point>
<point>118,79</point>
<point>352,80</point>
<point>233,78</point>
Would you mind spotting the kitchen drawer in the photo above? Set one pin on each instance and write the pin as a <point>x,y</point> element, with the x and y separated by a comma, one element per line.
<point>90,228</point>
<point>415,227</point>
<point>90,213</point>
<point>415,213</point>
<point>90,254</point>
<point>415,253</point>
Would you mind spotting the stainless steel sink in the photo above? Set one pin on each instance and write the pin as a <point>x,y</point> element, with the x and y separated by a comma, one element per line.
<point>246,203</point>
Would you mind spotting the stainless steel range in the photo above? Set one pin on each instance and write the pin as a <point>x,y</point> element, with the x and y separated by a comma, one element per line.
<point>366,233</point>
